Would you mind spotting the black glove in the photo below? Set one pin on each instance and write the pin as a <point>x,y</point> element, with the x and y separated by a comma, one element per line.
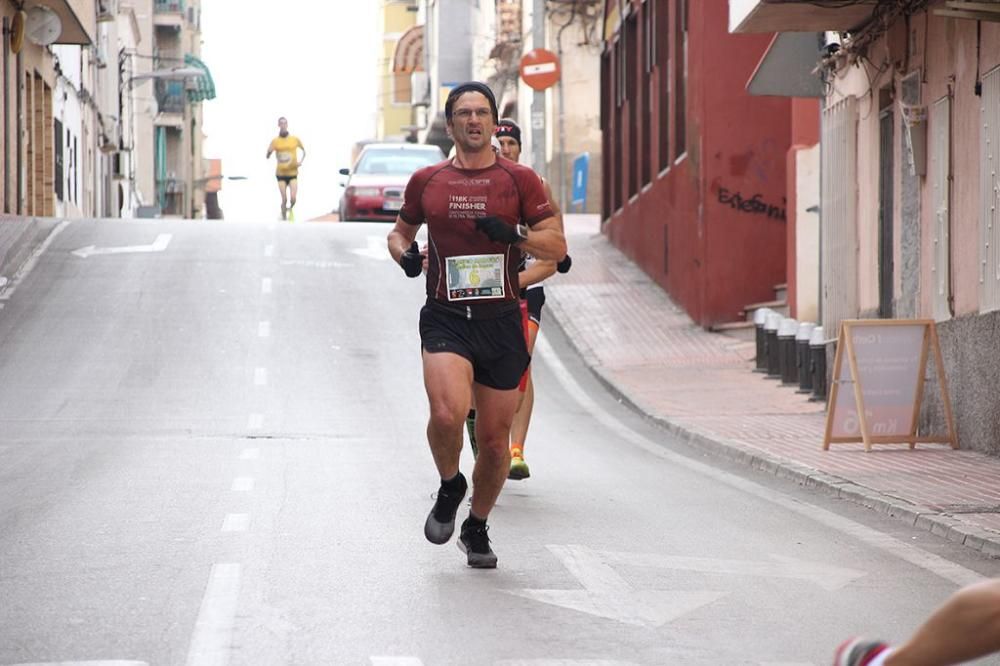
<point>412,261</point>
<point>564,265</point>
<point>497,230</point>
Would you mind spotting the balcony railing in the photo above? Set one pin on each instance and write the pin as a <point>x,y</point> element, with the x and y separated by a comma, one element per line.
<point>170,96</point>
<point>169,6</point>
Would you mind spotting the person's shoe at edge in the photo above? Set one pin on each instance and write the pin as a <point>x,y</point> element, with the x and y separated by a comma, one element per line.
<point>440,524</point>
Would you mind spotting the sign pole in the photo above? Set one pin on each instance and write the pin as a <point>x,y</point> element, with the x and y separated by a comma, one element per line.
<point>538,98</point>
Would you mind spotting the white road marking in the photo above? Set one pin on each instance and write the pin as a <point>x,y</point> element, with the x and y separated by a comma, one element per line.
<point>396,661</point>
<point>269,249</point>
<point>8,288</point>
<point>264,329</point>
<point>564,662</point>
<point>211,642</point>
<point>265,285</point>
<point>376,249</point>
<point>250,454</point>
<point>826,576</point>
<point>158,245</point>
<point>242,484</point>
<point>109,662</point>
<point>260,376</point>
<point>608,595</point>
<point>255,422</point>
<point>236,522</point>
<point>935,564</point>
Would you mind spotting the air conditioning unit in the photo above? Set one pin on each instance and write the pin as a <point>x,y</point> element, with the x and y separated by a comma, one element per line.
<point>106,10</point>
<point>420,89</point>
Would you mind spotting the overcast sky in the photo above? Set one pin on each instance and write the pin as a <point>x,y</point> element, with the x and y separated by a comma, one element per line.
<point>311,61</point>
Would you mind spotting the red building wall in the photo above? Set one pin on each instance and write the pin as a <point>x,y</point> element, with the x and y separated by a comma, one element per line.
<point>710,226</point>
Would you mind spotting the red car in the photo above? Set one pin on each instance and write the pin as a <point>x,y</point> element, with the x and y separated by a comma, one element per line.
<point>374,189</point>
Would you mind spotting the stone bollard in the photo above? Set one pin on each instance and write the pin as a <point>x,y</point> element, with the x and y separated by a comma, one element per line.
<point>786,350</point>
<point>802,356</point>
<point>760,337</point>
<point>771,326</point>
<point>817,354</point>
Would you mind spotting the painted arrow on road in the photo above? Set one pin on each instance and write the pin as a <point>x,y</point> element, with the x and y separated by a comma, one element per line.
<point>608,595</point>
<point>158,245</point>
<point>376,249</point>
<point>828,577</point>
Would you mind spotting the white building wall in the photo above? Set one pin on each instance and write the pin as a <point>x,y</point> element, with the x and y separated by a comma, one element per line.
<point>67,109</point>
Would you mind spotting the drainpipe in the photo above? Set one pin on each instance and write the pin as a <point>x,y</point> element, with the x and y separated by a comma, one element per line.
<point>6,117</point>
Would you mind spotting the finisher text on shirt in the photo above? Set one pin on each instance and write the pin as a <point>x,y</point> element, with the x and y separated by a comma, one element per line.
<point>463,264</point>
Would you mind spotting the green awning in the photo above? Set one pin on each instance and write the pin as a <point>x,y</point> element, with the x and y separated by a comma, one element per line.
<point>200,88</point>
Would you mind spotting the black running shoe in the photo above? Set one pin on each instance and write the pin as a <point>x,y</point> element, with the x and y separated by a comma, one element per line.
<point>475,543</point>
<point>440,523</point>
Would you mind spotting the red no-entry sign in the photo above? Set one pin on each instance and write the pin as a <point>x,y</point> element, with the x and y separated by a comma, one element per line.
<point>540,68</point>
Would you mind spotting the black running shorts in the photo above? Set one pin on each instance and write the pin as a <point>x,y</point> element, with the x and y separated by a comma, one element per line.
<point>286,179</point>
<point>494,346</point>
<point>536,299</point>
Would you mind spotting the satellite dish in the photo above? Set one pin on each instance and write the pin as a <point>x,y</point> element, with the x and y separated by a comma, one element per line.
<point>42,26</point>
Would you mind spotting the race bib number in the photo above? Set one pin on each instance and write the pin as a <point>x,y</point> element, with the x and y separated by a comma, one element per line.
<point>284,157</point>
<point>475,276</point>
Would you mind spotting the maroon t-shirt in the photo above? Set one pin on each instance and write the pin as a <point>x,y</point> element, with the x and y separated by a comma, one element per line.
<point>464,267</point>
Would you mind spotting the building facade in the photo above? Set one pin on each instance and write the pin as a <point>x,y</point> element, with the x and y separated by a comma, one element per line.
<point>400,58</point>
<point>694,181</point>
<point>909,197</point>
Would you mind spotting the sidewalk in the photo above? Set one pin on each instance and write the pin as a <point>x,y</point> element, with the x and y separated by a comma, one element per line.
<point>701,387</point>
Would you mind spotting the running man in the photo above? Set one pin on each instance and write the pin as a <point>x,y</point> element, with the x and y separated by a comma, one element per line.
<point>286,147</point>
<point>533,293</point>
<point>481,212</point>
<point>965,627</point>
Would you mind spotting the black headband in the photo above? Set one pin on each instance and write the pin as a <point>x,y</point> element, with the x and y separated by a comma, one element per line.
<point>470,86</point>
<point>508,128</point>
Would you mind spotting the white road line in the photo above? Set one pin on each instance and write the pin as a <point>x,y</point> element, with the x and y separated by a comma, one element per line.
<point>264,329</point>
<point>935,564</point>
<point>108,662</point>
<point>255,422</point>
<point>269,249</point>
<point>260,377</point>
<point>242,484</point>
<point>236,522</point>
<point>564,662</point>
<point>396,661</point>
<point>250,454</point>
<point>11,286</point>
<point>265,286</point>
<point>211,642</point>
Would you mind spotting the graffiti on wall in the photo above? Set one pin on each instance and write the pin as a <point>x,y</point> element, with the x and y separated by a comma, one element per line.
<point>754,205</point>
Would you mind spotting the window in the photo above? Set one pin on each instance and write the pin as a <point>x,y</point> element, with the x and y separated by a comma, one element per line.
<point>663,79</point>
<point>606,208</point>
<point>940,121</point>
<point>632,93</point>
<point>647,91</point>
<point>58,145</point>
<point>989,189</point>
<point>680,76</point>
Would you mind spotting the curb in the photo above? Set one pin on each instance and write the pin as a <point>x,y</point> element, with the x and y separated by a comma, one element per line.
<point>941,524</point>
<point>23,235</point>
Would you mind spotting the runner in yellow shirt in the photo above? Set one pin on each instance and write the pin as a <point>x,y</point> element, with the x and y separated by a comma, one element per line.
<point>286,147</point>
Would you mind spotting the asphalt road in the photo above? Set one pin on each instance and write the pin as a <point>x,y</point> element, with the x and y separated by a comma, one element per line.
<point>212,452</point>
